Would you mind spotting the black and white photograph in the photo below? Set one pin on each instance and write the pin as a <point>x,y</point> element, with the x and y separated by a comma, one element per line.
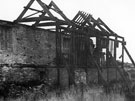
<point>67,50</point>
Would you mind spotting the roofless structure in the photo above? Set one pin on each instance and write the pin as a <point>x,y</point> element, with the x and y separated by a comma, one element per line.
<point>83,42</point>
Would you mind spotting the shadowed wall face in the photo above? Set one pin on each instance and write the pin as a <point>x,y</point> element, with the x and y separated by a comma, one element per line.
<point>23,44</point>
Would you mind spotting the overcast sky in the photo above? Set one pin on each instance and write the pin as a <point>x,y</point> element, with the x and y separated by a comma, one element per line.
<point>119,15</point>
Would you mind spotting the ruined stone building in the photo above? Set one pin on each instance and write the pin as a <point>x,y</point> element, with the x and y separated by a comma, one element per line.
<point>65,46</point>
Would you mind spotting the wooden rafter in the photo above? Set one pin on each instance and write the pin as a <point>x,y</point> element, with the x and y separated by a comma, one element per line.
<point>33,19</point>
<point>57,9</point>
<point>106,26</point>
<point>45,8</point>
<point>42,15</point>
<point>51,24</point>
<point>24,11</point>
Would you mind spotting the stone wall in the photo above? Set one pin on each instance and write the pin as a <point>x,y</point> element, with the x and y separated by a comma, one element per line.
<point>109,74</point>
<point>24,44</point>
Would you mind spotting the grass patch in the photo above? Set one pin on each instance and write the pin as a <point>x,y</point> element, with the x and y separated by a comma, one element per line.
<point>69,94</point>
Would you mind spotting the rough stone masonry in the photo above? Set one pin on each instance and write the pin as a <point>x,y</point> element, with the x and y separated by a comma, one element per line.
<point>24,44</point>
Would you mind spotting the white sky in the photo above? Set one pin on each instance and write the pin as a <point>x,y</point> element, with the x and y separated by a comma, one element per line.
<point>119,15</point>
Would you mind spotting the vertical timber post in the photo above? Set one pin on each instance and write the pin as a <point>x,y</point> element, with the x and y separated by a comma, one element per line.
<point>107,58</point>
<point>98,58</point>
<point>115,48</point>
<point>71,67</point>
<point>58,52</point>
<point>122,55</point>
<point>115,53</point>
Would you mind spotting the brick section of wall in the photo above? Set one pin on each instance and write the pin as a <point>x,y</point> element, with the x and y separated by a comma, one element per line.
<point>23,44</point>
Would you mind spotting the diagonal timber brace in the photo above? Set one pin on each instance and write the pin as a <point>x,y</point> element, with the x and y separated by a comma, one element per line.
<point>45,8</point>
<point>24,11</point>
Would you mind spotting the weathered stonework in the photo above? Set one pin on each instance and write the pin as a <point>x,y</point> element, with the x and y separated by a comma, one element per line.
<point>24,44</point>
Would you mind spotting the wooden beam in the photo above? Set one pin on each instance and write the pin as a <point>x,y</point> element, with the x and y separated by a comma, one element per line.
<point>122,56</point>
<point>44,18</point>
<point>91,32</point>
<point>76,16</point>
<point>32,19</point>
<point>59,11</point>
<point>41,11</point>
<point>45,8</point>
<point>129,55</point>
<point>51,24</point>
<point>98,25</point>
<point>79,18</point>
<point>24,11</point>
<point>115,48</point>
<point>107,59</point>
<point>87,19</point>
<point>46,24</point>
<point>31,15</point>
<point>106,26</point>
<point>42,15</point>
